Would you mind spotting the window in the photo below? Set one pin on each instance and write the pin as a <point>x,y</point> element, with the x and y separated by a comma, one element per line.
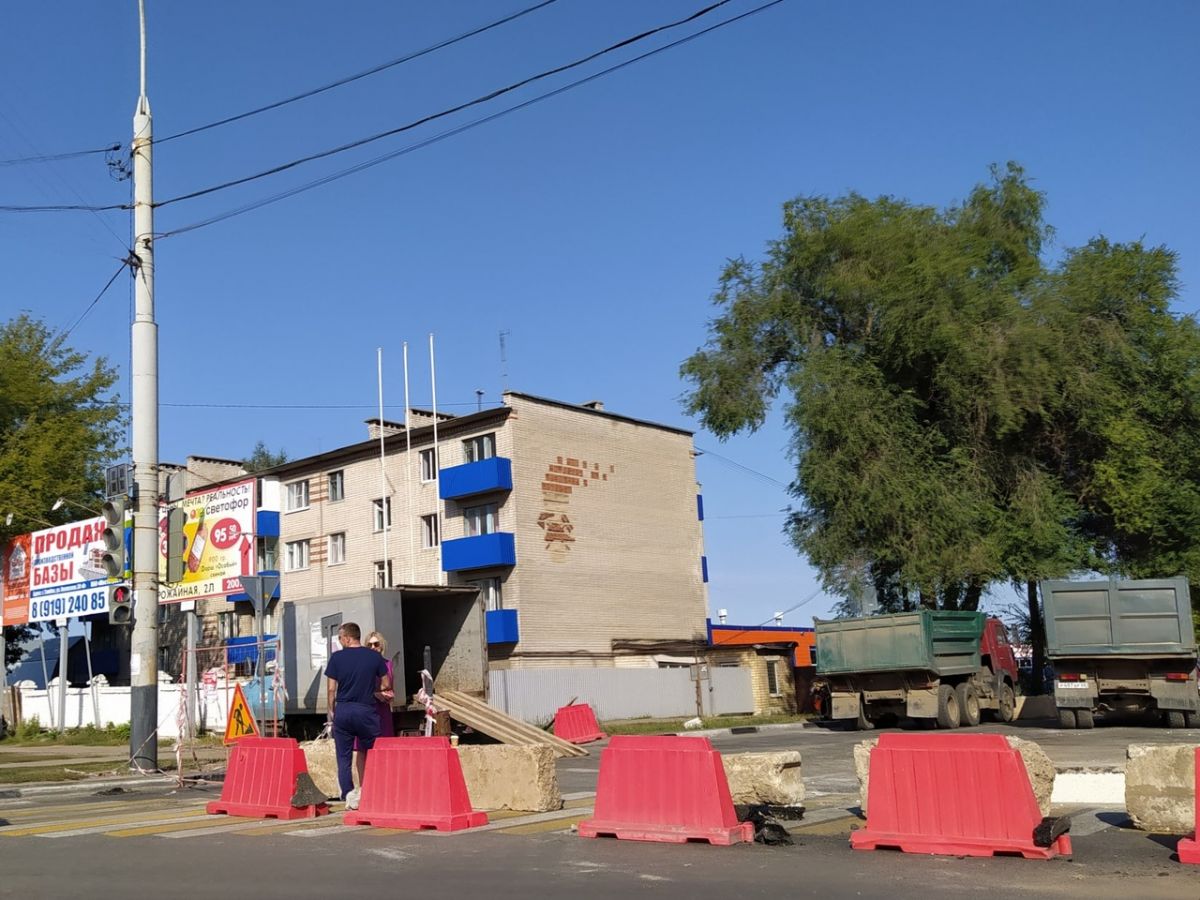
<point>337,486</point>
<point>383,573</point>
<point>773,677</point>
<point>489,590</point>
<point>482,447</point>
<point>227,625</point>
<point>381,509</point>
<point>431,534</point>
<point>268,552</point>
<point>336,551</point>
<point>297,495</point>
<point>428,465</point>
<point>480,519</point>
<point>297,555</point>
<point>164,659</point>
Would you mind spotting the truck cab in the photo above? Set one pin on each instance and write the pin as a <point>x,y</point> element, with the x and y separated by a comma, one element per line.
<point>997,651</point>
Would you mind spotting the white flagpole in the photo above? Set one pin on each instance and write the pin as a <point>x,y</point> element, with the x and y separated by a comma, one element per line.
<point>437,463</point>
<point>383,495</point>
<point>412,520</point>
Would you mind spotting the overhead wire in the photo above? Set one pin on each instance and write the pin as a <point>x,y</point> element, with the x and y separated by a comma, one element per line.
<point>483,120</point>
<point>57,157</point>
<point>484,98</point>
<point>374,70</point>
<point>62,335</point>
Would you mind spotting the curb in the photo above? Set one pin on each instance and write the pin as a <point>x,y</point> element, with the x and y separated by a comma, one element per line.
<point>94,786</point>
<point>746,729</point>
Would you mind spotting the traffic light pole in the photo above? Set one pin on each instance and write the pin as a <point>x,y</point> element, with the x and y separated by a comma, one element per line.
<point>143,657</point>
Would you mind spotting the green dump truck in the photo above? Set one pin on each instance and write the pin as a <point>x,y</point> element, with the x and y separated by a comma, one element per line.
<point>1122,647</point>
<point>935,666</point>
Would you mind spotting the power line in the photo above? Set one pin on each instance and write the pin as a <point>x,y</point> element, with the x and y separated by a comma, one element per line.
<point>371,163</point>
<point>811,597</point>
<point>63,335</point>
<point>283,406</point>
<point>64,207</point>
<point>737,465</point>
<point>57,157</point>
<point>492,95</point>
<point>374,70</point>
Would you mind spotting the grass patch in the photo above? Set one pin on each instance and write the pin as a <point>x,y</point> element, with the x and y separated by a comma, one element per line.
<point>31,732</point>
<point>71,773</point>
<point>668,726</point>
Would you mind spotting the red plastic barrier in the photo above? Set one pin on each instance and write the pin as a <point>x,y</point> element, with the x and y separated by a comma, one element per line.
<point>261,779</point>
<point>962,795</point>
<point>577,723</point>
<point>415,783</point>
<point>668,789</point>
<point>1189,848</point>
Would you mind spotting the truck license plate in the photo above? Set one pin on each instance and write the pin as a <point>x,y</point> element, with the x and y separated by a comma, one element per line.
<point>1071,685</point>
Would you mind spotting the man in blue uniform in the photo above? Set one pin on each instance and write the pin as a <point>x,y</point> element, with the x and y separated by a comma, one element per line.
<point>355,674</point>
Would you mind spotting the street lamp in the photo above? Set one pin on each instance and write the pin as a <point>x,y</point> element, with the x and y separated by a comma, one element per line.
<point>58,504</point>
<point>8,520</point>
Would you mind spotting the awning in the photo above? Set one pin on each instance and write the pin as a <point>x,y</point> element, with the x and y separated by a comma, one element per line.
<point>245,649</point>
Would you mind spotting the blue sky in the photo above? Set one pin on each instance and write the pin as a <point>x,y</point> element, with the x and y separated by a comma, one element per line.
<point>591,227</point>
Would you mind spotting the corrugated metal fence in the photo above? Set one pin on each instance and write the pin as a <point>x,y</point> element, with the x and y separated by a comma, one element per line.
<point>535,694</point>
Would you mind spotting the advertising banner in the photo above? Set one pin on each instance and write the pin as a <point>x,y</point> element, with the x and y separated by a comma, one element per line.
<point>15,579</point>
<point>56,573</point>
<point>219,546</point>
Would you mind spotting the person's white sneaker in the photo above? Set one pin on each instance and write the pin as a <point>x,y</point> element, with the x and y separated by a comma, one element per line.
<point>352,798</point>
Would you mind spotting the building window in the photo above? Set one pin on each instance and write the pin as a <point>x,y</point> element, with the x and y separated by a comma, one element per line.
<point>164,659</point>
<point>431,534</point>
<point>480,519</point>
<point>297,555</point>
<point>380,510</point>
<point>773,677</point>
<point>482,447</point>
<point>227,625</point>
<point>489,590</point>
<point>383,573</point>
<point>267,549</point>
<point>428,465</point>
<point>337,486</point>
<point>297,495</point>
<point>336,551</point>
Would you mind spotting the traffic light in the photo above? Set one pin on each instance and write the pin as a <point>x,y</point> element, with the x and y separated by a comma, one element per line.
<point>114,537</point>
<point>176,544</point>
<point>120,604</point>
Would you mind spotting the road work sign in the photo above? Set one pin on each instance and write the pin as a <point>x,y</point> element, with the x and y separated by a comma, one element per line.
<point>240,722</point>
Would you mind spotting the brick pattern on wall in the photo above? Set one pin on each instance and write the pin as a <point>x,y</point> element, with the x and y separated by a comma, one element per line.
<point>563,477</point>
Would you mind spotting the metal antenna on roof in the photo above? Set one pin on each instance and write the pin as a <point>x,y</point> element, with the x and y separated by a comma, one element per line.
<point>504,360</point>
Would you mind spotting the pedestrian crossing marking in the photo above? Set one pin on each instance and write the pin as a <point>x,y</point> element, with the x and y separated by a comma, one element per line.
<point>68,824</point>
<point>153,826</point>
<point>548,826</point>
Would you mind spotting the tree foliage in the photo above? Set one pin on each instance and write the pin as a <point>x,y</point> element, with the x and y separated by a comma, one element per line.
<point>961,411</point>
<point>60,426</point>
<point>261,458</point>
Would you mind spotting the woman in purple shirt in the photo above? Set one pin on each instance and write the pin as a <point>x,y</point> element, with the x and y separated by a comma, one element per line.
<point>383,699</point>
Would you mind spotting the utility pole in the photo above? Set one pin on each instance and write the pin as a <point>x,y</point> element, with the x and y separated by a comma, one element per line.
<point>143,657</point>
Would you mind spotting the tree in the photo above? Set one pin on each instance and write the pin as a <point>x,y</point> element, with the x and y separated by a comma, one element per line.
<point>59,427</point>
<point>961,412</point>
<point>262,458</point>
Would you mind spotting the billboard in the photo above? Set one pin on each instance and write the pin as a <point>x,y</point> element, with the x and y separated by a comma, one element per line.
<point>219,543</point>
<point>55,573</point>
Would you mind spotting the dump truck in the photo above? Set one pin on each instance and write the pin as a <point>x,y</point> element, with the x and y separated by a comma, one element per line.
<point>441,628</point>
<point>934,666</point>
<point>1120,647</point>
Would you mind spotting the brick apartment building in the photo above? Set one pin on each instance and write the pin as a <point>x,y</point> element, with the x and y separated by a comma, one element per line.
<point>582,528</point>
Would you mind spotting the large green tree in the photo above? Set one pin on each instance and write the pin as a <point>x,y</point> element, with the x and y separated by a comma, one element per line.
<point>961,412</point>
<point>59,426</point>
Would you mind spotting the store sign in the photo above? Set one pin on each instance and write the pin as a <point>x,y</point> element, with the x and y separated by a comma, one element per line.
<point>219,543</point>
<point>55,573</point>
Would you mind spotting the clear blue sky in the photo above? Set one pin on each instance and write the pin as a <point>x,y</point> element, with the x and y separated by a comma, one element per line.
<point>591,226</point>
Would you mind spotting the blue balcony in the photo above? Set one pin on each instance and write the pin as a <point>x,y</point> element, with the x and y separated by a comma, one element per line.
<point>479,552</point>
<point>494,474</point>
<point>266,523</point>
<point>502,626</point>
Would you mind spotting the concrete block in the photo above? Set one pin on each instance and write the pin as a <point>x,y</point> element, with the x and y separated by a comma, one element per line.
<point>1092,786</point>
<point>1037,764</point>
<point>1160,787</point>
<point>771,778</point>
<point>511,776</point>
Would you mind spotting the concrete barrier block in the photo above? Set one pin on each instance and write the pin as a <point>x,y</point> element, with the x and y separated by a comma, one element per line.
<point>1160,787</point>
<point>511,776</point>
<point>771,778</point>
<point>1037,764</point>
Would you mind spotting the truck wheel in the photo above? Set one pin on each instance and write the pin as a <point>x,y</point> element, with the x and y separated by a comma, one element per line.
<point>1066,717</point>
<point>1084,718</point>
<point>1175,718</point>
<point>948,709</point>
<point>1007,704</point>
<point>968,704</point>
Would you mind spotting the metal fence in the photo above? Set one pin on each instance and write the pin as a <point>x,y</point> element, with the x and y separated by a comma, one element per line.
<point>534,694</point>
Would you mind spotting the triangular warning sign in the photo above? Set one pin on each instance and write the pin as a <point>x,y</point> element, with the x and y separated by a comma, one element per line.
<point>240,723</point>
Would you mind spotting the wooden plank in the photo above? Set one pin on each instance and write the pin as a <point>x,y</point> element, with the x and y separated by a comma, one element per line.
<point>504,728</point>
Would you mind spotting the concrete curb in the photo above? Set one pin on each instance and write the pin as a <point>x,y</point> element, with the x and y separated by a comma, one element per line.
<point>745,729</point>
<point>97,785</point>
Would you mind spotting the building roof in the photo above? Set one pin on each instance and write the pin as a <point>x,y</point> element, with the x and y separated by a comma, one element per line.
<point>602,413</point>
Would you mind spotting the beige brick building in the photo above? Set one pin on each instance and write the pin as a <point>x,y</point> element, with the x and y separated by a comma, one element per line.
<point>581,527</point>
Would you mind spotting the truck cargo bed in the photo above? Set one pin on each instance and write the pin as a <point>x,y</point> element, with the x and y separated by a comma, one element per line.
<point>939,641</point>
<point>1118,618</point>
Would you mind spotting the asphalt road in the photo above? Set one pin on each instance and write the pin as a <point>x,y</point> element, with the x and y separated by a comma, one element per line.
<point>157,842</point>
